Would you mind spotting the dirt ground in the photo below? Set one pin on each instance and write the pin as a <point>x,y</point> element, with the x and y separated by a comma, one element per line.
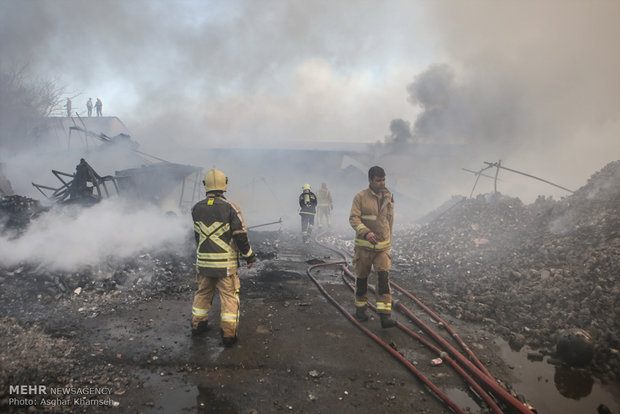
<point>296,352</point>
<point>117,338</point>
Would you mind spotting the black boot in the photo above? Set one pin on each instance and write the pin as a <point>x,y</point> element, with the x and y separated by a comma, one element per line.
<point>201,328</point>
<point>386,321</point>
<point>229,341</point>
<point>360,314</point>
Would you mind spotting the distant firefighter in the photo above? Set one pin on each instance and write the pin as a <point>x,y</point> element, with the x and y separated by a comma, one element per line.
<point>68,106</point>
<point>221,240</point>
<point>307,204</point>
<point>326,205</point>
<point>99,107</point>
<point>89,106</point>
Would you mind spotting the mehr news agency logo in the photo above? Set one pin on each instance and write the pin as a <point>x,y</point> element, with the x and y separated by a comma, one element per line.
<point>43,396</point>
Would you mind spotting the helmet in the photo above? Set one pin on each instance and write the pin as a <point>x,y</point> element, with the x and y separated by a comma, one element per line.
<point>215,180</point>
<point>306,187</point>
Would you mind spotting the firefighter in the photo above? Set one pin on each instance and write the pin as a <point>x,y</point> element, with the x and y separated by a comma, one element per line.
<point>89,106</point>
<point>221,239</point>
<point>326,205</point>
<point>372,217</point>
<point>307,203</point>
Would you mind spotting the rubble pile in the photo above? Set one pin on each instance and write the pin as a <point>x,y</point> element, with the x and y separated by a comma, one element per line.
<point>29,289</point>
<point>16,212</point>
<point>31,356</point>
<point>527,271</point>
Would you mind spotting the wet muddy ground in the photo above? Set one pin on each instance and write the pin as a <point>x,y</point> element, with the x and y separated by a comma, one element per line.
<point>296,351</point>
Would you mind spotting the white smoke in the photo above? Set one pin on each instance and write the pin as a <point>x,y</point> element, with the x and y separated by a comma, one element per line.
<point>69,238</point>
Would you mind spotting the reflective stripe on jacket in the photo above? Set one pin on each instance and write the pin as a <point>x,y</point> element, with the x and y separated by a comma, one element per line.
<point>216,221</point>
<point>370,213</point>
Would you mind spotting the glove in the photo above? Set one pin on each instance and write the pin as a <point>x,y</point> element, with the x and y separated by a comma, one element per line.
<point>250,260</point>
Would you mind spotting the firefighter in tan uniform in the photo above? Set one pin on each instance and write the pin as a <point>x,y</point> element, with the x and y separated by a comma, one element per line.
<point>325,206</point>
<point>221,239</point>
<point>372,217</point>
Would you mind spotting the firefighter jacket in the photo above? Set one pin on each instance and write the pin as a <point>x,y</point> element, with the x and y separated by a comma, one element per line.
<point>221,236</point>
<point>370,213</point>
<point>307,202</point>
<point>325,198</point>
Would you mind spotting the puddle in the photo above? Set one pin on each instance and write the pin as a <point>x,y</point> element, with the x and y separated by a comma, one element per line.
<point>171,395</point>
<point>463,400</point>
<point>557,390</point>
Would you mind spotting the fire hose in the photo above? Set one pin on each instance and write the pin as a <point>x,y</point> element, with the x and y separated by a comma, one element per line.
<point>444,398</point>
<point>476,368</point>
<point>478,390</point>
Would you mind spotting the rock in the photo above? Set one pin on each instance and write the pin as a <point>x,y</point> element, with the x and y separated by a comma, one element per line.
<point>575,347</point>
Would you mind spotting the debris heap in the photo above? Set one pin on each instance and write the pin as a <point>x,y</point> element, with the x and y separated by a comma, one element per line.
<point>16,212</point>
<point>527,271</point>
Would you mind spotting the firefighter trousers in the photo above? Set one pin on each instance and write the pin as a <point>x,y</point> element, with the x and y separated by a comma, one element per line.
<point>307,222</point>
<point>324,215</point>
<point>365,260</point>
<point>228,288</point>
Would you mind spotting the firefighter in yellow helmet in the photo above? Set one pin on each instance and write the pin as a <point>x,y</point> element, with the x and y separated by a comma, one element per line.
<point>372,218</point>
<point>325,207</point>
<point>307,204</point>
<point>221,240</point>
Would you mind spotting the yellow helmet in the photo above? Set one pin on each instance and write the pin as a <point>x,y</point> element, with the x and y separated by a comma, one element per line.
<point>215,180</point>
<point>306,187</point>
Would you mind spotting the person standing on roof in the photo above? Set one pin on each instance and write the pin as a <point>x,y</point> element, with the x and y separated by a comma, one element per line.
<point>372,218</point>
<point>99,107</point>
<point>89,106</point>
<point>307,204</point>
<point>68,106</point>
<point>221,240</point>
<point>325,206</point>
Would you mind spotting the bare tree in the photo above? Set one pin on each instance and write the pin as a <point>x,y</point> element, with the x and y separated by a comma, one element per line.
<point>24,101</point>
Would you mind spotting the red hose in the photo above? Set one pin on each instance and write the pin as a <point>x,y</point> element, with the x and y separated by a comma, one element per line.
<point>488,381</point>
<point>479,372</point>
<point>481,392</point>
<point>444,398</point>
<point>454,335</point>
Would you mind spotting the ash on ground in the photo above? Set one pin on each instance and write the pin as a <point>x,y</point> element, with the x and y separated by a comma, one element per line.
<point>527,272</point>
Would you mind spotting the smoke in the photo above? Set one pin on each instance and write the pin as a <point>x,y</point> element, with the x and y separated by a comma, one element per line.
<point>400,132</point>
<point>534,84</point>
<point>66,239</point>
<point>212,73</point>
<point>477,112</point>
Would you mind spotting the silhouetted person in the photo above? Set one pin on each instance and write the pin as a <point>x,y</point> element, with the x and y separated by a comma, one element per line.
<point>99,107</point>
<point>68,106</point>
<point>89,106</point>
